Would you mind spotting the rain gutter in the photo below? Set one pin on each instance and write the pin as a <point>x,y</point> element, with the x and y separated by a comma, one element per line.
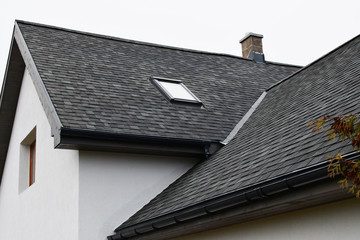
<point>107,141</point>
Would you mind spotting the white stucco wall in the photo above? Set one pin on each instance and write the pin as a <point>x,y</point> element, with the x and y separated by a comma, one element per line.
<point>339,220</point>
<point>114,186</point>
<point>49,208</point>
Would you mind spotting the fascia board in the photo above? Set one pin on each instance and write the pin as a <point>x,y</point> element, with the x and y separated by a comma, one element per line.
<point>116,142</point>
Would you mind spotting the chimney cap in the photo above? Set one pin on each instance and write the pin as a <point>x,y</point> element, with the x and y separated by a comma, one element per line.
<point>250,34</point>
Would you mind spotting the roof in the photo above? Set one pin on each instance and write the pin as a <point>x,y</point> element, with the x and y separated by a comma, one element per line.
<point>96,91</point>
<point>99,83</point>
<point>273,143</point>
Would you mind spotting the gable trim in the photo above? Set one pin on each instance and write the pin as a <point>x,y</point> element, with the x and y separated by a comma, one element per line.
<point>19,59</point>
<point>47,104</point>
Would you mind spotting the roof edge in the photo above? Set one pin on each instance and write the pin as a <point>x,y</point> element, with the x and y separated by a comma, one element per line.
<point>41,90</point>
<point>108,141</point>
<point>19,59</point>
<point>262,190</point>
<point>312,63</point>
<point>65,131</point>
<point>145,43</point>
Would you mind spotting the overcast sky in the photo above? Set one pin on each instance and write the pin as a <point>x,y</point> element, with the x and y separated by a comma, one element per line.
<point>295,32</point>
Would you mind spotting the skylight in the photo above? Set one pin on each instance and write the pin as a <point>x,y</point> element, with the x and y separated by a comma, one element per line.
<point>175,91</point>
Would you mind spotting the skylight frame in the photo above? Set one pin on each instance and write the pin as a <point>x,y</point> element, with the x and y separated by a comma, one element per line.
<point>167,93</point>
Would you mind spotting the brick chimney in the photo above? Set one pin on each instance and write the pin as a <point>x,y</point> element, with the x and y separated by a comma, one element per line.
<point>252,47</point>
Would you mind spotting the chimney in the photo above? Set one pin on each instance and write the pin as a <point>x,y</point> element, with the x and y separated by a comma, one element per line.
<point>251,46</point>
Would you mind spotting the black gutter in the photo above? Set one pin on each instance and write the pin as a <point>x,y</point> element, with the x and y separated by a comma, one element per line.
<point>128,137</point>
<point>97,140</point>
<point>263,190</point>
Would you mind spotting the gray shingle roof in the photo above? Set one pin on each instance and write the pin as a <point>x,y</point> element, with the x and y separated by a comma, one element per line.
<point>102,84</point>
<point>275,140</point>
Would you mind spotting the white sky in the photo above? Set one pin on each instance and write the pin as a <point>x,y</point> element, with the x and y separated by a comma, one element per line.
<point>296,32</point>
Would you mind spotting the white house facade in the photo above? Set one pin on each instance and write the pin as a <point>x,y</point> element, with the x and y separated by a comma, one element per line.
<point>310,223</point>
<point>108,138</point>
<point>50,204</point>
<point>113,186</point>
<point>77,194</point>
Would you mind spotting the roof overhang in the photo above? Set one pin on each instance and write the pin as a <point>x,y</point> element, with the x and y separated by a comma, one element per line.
<point>9,97</point>
<point>300,189</point>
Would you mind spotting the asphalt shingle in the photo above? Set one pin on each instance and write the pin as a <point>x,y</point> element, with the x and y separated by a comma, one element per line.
<point>102,84</point>
<point>275,140</point>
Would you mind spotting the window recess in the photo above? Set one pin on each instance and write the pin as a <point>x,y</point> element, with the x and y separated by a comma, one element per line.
<point>175,91</point>
<point>32,161</point>
<point>27,161</point>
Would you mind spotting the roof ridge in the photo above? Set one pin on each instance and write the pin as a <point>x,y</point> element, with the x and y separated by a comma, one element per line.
<point>243,120</point>
<point>143,43</point>
<point>312,63</point>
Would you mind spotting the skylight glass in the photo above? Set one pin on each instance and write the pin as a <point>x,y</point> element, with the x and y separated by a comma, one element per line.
<point>175,91</point>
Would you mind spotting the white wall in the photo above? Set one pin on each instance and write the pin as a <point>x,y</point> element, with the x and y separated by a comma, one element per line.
<point>339,220</point>
<point>76,194</point>
<point>114,186</point>
<point>49,208</point>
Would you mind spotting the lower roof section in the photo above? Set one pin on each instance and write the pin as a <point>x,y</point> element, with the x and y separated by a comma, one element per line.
<point>308,187</point>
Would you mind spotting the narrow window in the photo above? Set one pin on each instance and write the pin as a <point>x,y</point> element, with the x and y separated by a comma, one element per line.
<point>27,161</point>
<point>32,163</point>
<point>175,91</point>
